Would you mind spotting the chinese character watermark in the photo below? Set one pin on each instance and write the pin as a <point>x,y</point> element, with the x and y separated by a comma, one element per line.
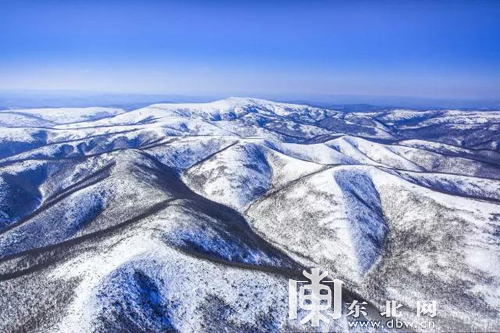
<point>391,309</point>
<point>315,297</point>
<point>356,308</point>
<point>426,308</point>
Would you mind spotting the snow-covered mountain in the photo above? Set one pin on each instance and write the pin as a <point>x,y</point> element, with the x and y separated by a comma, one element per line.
<point>192,217</point>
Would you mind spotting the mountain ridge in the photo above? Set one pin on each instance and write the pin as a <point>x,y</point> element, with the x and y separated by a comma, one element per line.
<point>101,208</point>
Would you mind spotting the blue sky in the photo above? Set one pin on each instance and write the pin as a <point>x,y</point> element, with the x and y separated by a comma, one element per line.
<point>435,49</point>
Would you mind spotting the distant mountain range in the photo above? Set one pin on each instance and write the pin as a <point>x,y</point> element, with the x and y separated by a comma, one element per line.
<point>192,217</point>
<point>15,99</point>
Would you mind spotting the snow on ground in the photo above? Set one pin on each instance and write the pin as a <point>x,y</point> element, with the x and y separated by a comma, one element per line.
<point>192,217</point>
<point>54,116</point>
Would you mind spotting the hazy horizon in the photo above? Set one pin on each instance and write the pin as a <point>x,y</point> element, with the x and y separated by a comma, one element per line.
<point>12,99</point>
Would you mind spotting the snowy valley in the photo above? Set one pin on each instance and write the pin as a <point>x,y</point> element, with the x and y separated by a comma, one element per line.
<point>192,217</point>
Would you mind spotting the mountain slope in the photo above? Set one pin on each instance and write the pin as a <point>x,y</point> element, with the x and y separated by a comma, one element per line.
<point>192,217</point>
